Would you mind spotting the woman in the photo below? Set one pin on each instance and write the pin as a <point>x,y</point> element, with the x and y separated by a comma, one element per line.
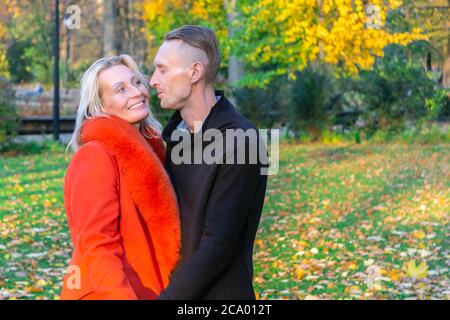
<point>121,209</point>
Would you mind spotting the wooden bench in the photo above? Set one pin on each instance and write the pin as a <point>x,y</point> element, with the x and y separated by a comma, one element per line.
<point>44,124</point>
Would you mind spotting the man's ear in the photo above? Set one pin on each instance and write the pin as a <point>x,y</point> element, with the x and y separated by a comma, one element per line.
<point>197,72</point>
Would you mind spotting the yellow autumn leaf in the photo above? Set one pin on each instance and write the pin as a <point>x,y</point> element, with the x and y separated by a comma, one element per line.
<point>46,203</point>
<point>41,283</point>
<point>419,234</point>
<point>395,275</point>
<point>259,243</point>
<point>415,271</point>
<point>352,266</point>
<point>34,289</point>
<point>277,264</point>
<point>300,273</point>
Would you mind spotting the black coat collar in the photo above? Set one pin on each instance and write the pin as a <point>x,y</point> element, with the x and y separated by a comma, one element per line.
<point>223,106</point>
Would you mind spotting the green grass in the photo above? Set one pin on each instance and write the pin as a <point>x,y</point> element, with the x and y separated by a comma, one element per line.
<point>339,222</point>
<point>34,239</point>
<point>335,213</point>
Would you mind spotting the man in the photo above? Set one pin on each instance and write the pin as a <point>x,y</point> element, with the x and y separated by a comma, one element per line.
<point>220,203</point>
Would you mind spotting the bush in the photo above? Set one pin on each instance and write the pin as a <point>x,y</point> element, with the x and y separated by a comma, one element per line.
<point>439,105</point>
<point>381,136</point>
<point>304,106</point>
<point>395,92</point>
<point>18,63</point>
<point>71,75</point>
<point>312,100</point>
<point>32,147</point>
<point>431,134</point>
<point>264,107</point>
<point>160,114</point>
<point>332,137</point>
<point>328,137</point>
<point>8,116</point>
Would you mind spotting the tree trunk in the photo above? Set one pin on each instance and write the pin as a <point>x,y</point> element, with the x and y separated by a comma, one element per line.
<point>235,70</point>
<point>67,62</point>
<point>429,62</point>
<point>446,67</point>
<point>127,27</point>
<point>235,66</point>
<point>109,32</point>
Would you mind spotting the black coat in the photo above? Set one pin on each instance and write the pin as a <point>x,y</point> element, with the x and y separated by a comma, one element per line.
<point>220,207</point>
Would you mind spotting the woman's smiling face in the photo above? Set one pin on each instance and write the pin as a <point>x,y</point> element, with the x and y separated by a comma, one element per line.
<point>123,94</point>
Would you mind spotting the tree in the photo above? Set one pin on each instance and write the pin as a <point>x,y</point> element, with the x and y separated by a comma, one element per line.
<point>235,65</point>
<point>131,30</point>
<point>29,32</point>
<point>161,16</point>
<point>109,28</point>
<point>344,33</point>
<point>394,94</point>
<point>433,16</point>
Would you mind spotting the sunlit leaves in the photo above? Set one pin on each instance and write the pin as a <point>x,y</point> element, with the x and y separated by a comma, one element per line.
<point>162,16</point>
<point>346,33</point>
<point>280,37</point>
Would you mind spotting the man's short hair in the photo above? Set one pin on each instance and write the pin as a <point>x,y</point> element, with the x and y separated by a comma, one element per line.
<point>204,39</point>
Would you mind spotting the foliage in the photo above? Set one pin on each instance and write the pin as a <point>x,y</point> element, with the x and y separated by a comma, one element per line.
<point>72,74</point>
<point>432,16</point>
<point>432,134</point>
<point>394,93</point>
<point>161,114</point>
<point>306,105</point>
<point>8,116</point>
<point>429,134</point>
<point>265,107</point>
<point>439,105</point>
<point>19,62</point>
<point>29,33</point>
<point>164,15</point>
<point>314,95</point>
<point>31,148</point>
<point>336,32</point>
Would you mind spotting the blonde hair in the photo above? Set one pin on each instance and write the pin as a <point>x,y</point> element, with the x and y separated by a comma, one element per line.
<point>91,105</point>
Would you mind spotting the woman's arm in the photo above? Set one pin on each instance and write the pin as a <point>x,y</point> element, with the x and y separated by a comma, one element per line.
<point>92,184</point>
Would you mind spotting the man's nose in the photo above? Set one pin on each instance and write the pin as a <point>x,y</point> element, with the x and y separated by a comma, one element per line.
<point>154,80</point>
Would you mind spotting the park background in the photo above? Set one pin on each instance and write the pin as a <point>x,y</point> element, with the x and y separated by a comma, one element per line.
<point>359,89</point>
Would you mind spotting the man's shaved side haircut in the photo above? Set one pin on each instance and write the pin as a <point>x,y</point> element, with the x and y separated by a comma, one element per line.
<point>204,39</point>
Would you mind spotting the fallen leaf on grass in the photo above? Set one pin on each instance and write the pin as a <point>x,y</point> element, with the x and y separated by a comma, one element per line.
<point>418,272</point>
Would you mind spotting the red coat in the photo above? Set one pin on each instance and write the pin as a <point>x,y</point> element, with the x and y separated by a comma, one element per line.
<point>122,214</point>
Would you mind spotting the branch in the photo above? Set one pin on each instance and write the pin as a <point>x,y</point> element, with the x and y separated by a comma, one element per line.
<point>438,29</point>
<point>432,7</point>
